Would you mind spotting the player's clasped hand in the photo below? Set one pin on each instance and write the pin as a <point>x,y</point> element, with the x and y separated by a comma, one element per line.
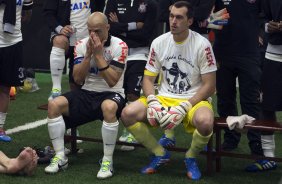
<point>155,110</point>
<point>97,44</point>
<point>175,115</point>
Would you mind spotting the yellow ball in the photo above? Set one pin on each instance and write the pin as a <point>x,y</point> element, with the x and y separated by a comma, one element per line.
<point>26,87</point>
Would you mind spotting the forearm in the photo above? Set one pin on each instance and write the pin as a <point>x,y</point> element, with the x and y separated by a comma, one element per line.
<point>109,74</point>
<point>203,93</point>
<point>148,85</point>
<point>80,71</point>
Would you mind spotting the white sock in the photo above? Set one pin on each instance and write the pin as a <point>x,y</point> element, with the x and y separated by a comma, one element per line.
<point>57,128</point>
<point>109,135</point>
<point>2,119</point>
<point>57,64</point>
<point>268,145</point>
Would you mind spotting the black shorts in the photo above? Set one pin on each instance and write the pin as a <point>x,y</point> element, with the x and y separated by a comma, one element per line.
<point>11,65</point>
<point>272,86</point>
<point>85,106</point>
<point>133,77</point>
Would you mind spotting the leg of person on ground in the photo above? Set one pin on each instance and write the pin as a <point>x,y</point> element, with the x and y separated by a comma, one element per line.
<point>5,100</point>
<point>24,163</point>
<point>57,64</point>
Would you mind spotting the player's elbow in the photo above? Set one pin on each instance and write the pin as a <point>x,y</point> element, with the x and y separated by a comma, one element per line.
<point>78,80</point>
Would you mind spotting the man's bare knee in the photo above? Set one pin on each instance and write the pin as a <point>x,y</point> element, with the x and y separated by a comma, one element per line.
<point>56,107</point>
<point>204,123</point>
<point>61,41</point>
<point>109,109</point>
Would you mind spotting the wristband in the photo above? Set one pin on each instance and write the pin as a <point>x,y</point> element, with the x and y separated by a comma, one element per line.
<point>105,68</point>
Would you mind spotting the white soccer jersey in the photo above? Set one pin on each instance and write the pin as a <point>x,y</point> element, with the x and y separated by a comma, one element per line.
<point>181,64</point>
<point>115,54</point>
<point>7,39</point>
<point>80,11</point>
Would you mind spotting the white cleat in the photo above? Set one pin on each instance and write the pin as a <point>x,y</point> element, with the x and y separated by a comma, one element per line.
<point>57,163</point>
<point>106,170</point>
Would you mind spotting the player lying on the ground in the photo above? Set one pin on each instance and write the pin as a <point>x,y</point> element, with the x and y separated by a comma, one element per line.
<point>25,163</point>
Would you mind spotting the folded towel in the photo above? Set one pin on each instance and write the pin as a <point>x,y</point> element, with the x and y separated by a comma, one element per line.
<point>238,121</point>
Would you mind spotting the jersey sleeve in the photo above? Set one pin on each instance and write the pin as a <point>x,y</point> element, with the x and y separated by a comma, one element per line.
<point>79,51</point>
<point>120,52</point>
<point>153,63</point>
<point>207,62</point>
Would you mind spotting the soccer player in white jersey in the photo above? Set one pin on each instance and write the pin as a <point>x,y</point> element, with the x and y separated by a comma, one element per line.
<point>99,64</point>
<point>11,59</point>
<point>187,66</point>
<point>67,21</point>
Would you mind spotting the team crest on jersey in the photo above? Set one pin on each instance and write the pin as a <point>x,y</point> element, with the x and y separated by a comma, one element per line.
<point>251,1</point>
<point>142,7</point>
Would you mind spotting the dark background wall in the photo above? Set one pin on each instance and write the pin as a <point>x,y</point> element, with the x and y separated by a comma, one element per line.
<point>36,40</point>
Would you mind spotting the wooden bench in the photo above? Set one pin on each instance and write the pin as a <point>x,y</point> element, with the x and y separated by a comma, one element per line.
<point>220,124</point>
<point>210,155</point>
<point>73,138</point>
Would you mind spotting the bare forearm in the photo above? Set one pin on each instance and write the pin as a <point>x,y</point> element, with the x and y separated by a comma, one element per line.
<point>81,70</point>
<point>148,85</point>
<point>205,91</point>
<point>109,73</point>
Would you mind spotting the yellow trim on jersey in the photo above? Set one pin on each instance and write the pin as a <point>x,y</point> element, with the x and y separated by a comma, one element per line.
<point>187,121</point>
<point>149,73</point>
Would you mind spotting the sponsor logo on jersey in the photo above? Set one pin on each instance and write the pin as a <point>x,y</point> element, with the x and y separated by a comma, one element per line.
<point>124,51</point>
<point>80,5</point>
<point>209,56</point>
<point>152,57</point>
<point>19,2</point>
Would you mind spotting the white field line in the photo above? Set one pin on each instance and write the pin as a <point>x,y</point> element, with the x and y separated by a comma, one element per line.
<point>27,126</point>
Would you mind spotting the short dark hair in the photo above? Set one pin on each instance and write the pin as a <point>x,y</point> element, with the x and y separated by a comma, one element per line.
<point>190,9</point>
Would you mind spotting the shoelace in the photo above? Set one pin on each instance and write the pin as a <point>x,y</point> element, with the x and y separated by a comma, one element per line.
<point>55,160</point>
<point>105,166</point>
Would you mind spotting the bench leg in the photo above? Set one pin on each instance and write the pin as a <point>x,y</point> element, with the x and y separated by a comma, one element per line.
<point>73,141</point>
<point>218,149</point>
<point>210,157</point>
